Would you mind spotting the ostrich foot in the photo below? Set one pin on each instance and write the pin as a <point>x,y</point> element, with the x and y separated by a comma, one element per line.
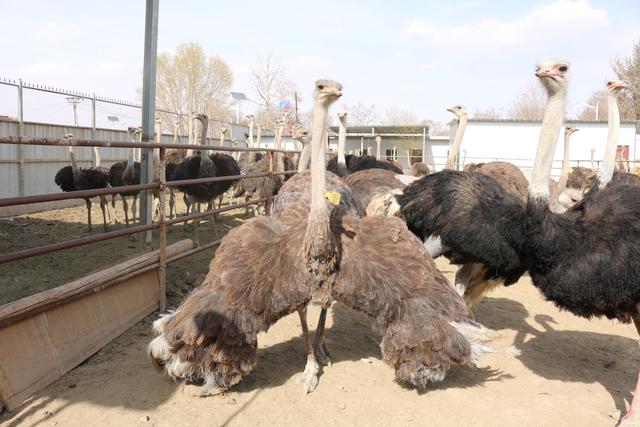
<point>309,378</point>
<point>323,355</point>
<point>201,391</point>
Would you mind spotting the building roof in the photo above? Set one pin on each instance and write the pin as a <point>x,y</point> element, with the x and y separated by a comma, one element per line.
<point>385,130</point>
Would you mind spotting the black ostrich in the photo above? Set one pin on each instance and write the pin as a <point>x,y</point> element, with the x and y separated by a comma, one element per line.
<point>124,173</point>
<point>585,260</point>
<point>359,163</point>
<point>205,166</point>
<point>73,178</point>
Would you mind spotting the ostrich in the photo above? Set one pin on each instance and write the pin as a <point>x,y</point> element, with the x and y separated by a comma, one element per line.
<point>272,266</point>
<point>585,260</point>
<point>508,175</point>
<point>420,169</point>
<point>172,158</point>
<point>343,165</point>
<point>126,173</point>
<point>204,165</point>
<point>566,196</point>
<point>73,178</point>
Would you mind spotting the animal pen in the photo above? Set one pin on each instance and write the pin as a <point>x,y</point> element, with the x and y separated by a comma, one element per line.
<point>45,335</point>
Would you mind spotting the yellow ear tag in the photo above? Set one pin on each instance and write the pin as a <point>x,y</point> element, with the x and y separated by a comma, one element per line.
<point>570,170</point>
<point>333,197</point>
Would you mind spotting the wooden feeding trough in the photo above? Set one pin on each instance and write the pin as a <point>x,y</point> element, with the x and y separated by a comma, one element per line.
<point>45,335</point>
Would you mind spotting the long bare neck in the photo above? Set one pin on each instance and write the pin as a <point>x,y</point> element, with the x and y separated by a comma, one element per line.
<point>317,167</point>
<point>74,165</point>
<point>204,155</point>
<point>457,141</point>
<point>342,139</point>
<point>564,173</point>
<point>251,134</point>
<point>593,159</point>
<point>303,162</point>
<point>131,160</point>
<point>258,137</point>
<point>96,152</point>
<point>551,124</point>
<point>613,135</point>
<point>222,138</point>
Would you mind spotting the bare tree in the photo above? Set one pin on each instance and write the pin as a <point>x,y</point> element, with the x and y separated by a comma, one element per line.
<point>628,70</point>
<point>190,81</point>
<point>528,105</point>
<point>487,114</point>
<point>272,87</point>
<point>395,115</point>
<point>597,100</point>
<point>436,128</point>
<point>360,114</point>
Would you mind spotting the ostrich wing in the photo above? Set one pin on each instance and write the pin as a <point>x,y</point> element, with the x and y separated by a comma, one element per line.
<point>387,274</point>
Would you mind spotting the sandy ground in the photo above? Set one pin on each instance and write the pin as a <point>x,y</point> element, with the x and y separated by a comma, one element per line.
<point>571,372</point>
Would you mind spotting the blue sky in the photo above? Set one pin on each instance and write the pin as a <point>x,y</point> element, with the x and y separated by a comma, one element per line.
<point>419,55</point>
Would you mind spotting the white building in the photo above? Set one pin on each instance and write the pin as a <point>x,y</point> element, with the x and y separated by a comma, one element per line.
<point>516,142</point>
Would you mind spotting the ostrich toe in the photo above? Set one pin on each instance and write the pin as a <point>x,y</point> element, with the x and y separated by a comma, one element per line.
<point>309,378</point>
<point>323,355</point>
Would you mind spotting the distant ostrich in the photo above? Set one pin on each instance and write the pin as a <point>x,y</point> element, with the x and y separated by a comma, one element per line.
<point>272,266</point>
<point>204,165</point>
<point>73,178</point>
<point>172,158</point>
<point>420,169</point>
<point>566,196</point>
<point>343,165</point>
<point>126,173</point>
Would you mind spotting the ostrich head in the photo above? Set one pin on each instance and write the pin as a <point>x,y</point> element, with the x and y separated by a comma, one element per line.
<point>554,75</point>
<point>300,133</point>
<point>459,110</point>
<point>223,130</point>
<point>342,114</point>
<point>615,87</point>
<point>327,92</point>
<point>569,130</point>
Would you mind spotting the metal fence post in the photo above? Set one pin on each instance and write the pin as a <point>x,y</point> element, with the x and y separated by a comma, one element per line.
<point>93,123</point>
<point>148,110</point>
<point>21,134</point>
<point>162,270</point>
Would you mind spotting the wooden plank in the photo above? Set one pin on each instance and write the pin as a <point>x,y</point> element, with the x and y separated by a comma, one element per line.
<point>58,331</point>
<point>56,341</point>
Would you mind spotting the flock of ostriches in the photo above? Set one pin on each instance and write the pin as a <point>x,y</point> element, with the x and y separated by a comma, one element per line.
<point>356,231</point>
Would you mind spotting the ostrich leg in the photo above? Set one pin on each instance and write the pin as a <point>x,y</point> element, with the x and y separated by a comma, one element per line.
<point>196,222</point>
<point>88,201</point>
<point>322,351</point>
<point>463,277</point>
<point>125,207</point>
<point>172,202</point>
<point>104,207</point>
<point>134,208</point>
<point>309,378</point>
<point>632,417</point>
<point>113,206</point>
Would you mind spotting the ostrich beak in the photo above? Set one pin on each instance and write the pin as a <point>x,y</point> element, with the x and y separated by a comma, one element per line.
<point>550,74</point>
<point>618,85</point>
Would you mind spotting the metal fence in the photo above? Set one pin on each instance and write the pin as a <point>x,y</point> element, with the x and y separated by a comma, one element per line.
<point>159,186</point>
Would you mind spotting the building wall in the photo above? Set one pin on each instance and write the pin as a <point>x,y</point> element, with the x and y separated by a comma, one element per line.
<point>516,142</point>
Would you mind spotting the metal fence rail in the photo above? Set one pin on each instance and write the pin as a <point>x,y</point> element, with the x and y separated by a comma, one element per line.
<point>159,186</point>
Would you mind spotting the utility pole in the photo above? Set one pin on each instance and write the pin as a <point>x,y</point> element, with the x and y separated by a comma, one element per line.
<point>74,101</point>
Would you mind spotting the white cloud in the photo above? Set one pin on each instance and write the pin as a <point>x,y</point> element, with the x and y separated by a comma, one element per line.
<point>318,45</point>
<point>57,32</point>
<point>466,5</point>
<point>557,21</point>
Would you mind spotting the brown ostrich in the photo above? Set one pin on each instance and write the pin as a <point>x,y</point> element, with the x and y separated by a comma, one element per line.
<point>272,266</point>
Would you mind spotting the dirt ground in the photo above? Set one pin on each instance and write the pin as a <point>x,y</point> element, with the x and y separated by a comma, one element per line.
<point>572,372</point>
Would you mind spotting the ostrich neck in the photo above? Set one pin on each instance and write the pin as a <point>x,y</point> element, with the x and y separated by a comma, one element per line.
<point>204,154</point>
<point>251,134</point>
<point>303,162</point>
<point>96,152</point>
<point>74,165</point>
<point>258,138</point>
<point>609,162</point>
<point>564,174</point>
<point>342,139</point>
<point>222,139</point>
<point>317,152</point>
<point>457,141</point>
<point>551,124</point>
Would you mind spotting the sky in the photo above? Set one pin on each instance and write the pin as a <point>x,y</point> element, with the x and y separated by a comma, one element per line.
<point>423,56</point>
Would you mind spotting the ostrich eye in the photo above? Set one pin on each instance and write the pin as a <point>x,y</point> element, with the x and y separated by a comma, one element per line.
<point>609,83</point>
<point>563,68</point>
<point>320,87</point>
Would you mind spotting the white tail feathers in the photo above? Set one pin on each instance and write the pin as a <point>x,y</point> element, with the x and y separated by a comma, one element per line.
<point>406,179</point>
<point>477,336</point>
